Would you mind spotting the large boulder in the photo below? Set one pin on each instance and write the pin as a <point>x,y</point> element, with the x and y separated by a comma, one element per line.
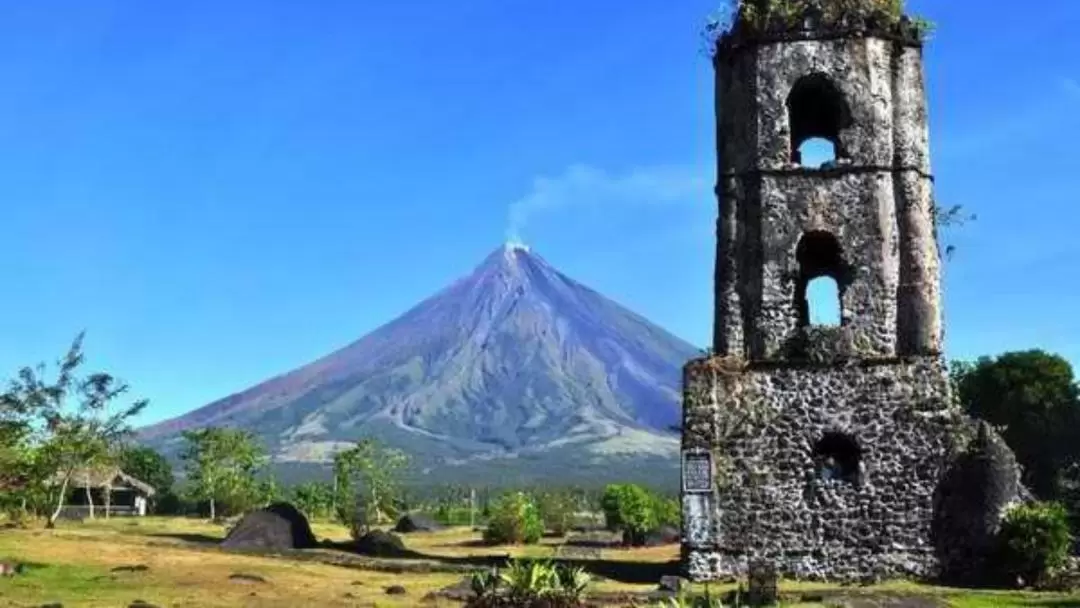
<point>969,504</point>
<point>416,522</point>
<point>380,544</point>
<point>277,527</point>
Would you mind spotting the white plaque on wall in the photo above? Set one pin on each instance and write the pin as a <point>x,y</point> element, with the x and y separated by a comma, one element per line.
<point>697,471</point>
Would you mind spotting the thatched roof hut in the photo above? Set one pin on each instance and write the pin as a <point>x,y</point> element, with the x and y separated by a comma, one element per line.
<point>109,478</point>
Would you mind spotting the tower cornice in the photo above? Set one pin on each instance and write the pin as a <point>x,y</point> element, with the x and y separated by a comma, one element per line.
<point>829,172</point>
<point>734,43</point>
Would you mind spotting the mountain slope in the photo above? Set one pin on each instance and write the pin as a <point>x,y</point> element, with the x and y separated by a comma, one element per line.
<point>515,360</point>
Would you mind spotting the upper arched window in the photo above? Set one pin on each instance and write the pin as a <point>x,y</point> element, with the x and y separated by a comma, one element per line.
<point>819,255</point>
<point>817,111</point>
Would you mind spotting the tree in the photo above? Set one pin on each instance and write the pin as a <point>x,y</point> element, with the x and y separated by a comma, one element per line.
<point>69,435</point>
<point>366,478</point>
<point>146,464</point>
<point>1032,397</point>
<point>221,466</point>
<point>314,498</point>
<point>633,510</point>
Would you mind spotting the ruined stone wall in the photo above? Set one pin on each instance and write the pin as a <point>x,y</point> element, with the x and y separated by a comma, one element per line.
<point>877,200</point>
<point>761,424</point>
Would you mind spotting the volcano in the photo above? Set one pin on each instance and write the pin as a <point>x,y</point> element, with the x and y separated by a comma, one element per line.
<point>515,368</point>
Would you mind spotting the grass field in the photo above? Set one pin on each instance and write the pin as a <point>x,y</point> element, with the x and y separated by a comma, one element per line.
<point>175,562</point>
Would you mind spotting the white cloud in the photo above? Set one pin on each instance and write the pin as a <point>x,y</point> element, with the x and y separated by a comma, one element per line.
<point>582,185</point>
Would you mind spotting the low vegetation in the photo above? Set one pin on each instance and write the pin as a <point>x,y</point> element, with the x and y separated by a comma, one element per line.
<point>756,17</point>
<point>515,519</point>
<point>1035,542</point>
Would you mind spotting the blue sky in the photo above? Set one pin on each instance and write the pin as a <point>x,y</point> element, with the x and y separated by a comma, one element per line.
<point>221,191</point>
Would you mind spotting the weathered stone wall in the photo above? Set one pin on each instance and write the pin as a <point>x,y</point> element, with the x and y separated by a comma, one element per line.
<point>877,200</point>
<point>761,425</point>
<point>768,419</point>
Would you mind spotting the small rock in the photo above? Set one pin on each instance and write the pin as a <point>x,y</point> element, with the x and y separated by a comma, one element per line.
<point>395,590</point>
<point>349,595</point>
<point>142,604</point>
<point>674,584</point>
<point>357,583</point>
<point>52,605</point>
<point>251,578</point>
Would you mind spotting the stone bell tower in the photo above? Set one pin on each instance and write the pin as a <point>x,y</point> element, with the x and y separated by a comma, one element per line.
<point>818,448</point>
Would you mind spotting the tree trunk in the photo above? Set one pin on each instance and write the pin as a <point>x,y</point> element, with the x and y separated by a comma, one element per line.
<point>59,503</point>
<point>108,500</point>
<point>213,512</point>
<point>89,498</point>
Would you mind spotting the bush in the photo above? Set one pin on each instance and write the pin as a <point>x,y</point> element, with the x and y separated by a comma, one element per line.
<point>514,519</point>
<point>525,583</point>
<point>668,512</point>
<point>1034,541</point>
<point>557,511</point>
<point>632,509</point>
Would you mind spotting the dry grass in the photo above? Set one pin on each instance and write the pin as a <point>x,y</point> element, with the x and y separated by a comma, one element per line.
<point>73,565</point>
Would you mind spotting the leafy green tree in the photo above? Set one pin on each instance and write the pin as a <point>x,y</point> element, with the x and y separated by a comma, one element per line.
<point>314,498</point>
<point>1032,397</point>
<point>267,490</point>
<point>147,465</point>
<point>631,509</point>
<point>367,481</point>
<point>77,427</point>
<point>222,467</point>
<point>668,511</point>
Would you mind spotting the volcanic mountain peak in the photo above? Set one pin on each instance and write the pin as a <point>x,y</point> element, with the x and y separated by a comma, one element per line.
<point>515,358</point>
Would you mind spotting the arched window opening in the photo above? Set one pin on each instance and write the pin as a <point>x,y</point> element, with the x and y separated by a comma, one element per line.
<point>838,457</point>
<point>817,153</point>
<point>820,257</point>
<point>823,301</point>
<point>816,109</point>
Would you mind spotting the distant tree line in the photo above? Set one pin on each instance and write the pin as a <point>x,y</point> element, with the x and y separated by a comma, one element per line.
<point>52,425</point>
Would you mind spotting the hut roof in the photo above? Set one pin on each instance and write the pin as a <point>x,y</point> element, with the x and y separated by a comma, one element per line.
<point>104,477</point>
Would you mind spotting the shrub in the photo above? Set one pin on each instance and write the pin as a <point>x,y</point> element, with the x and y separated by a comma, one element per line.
<point>632,509</point>
<point>668,511</point>
<point>514,519</point>
<point>556,510</point>
<point>1034,541</point>
<point>526,583</point>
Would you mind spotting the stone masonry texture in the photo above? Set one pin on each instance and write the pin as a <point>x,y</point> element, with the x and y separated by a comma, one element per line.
<point>827,444</point>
